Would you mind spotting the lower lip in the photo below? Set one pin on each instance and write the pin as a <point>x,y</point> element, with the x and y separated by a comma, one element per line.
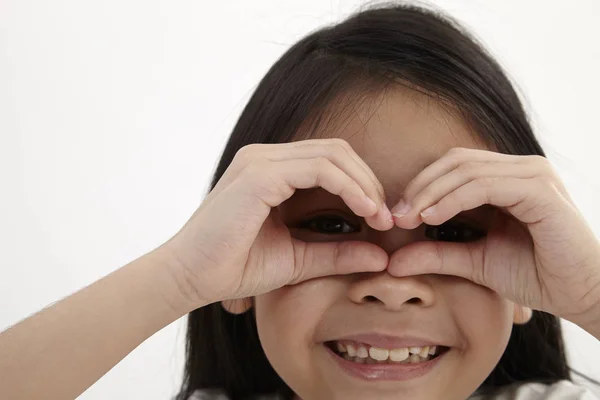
<point>386,372</point>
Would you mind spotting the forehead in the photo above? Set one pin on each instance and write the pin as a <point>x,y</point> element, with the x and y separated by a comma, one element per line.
<point>400,133</point>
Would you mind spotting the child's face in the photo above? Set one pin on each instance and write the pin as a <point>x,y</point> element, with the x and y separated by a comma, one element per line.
<point>296,324</point>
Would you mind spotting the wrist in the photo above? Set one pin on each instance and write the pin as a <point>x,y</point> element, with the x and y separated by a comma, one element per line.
<point>590,319</point>
<point>176,286</point>
<point>592,322</point>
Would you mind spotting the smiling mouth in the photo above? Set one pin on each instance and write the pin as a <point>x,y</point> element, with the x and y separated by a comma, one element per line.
<point>362,353</point>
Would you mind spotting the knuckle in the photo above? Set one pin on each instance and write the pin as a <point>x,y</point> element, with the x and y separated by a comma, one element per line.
<point>271,188</point>
<point>457,151</point>
<point>547,168</point>
<point>338,147</point>
<point>333,150</point>
<point>455,198</point>
<point>339,142</point>
<point>246,152</point>
<point>322,165</point>
<point>470,168</point>
<point>267,185</point>
<point>409,191</point>
<point>537,159</point>
<point>439,251</point>
<point>458,155</point>
<point>546,181</point>
<point>486,181</point>
<point>257,166</point>
<point>423,196</point>
<point>486,184</point>
<point>543,164</point>
<point>547,189</point>
<point>347,188</point>
<point>380,191</point>
<point>301,258</point>
<point>476,275</point>
<point>352,187</point>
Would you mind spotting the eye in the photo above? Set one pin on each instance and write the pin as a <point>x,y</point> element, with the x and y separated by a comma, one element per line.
<point>328,224</point>
<point>454,231</point>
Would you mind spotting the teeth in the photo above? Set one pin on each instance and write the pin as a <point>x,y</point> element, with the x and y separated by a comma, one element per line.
<point>351,350</point>
<point>398,354</point>
<point>415,358</point>
<point>379,354</point>
<point>365,354</point>
<point>362,352</point>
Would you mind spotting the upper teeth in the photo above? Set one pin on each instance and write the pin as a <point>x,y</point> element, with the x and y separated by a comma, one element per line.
<point>400,354</point>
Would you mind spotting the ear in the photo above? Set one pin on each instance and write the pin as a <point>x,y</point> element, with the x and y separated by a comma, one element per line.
<point>237,306</point>
<point>522,314</point>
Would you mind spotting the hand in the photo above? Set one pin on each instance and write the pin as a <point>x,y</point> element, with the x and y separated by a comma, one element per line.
<point>539,253</point>
<point>236,246</point>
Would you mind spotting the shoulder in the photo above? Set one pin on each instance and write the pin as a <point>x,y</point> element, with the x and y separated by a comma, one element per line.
<point>561,390</point>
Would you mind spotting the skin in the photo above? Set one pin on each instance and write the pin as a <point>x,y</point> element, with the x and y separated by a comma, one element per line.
<point>403,134</point>
<point>236,248</point>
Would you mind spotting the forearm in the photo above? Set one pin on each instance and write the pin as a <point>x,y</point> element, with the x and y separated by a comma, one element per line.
<point>62,350</point>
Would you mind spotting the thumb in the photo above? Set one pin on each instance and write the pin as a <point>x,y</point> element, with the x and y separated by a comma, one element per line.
<point>464,260</point>
<point>318,259</point>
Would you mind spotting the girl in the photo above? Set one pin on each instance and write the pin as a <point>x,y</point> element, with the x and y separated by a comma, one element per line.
<point>383,224</point>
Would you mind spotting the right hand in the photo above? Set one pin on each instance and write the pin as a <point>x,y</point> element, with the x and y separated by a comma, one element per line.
<point>236,246</point>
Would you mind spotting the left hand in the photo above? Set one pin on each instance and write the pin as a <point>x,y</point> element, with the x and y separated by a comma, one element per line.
<point>539,252</point>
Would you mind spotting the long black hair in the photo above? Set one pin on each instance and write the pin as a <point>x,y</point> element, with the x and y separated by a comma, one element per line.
<point>373,49</point>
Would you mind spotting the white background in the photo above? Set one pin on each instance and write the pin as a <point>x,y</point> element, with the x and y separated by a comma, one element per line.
<point>113,114</point>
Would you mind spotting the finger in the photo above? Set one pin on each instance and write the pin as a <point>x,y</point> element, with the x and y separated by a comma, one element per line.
<point>318,259</point>
<point>333,145</point>
<point>451,160</point>
<point>529,200</point>
<point>458,177</point>
<point>445,258</point>
<point>275,182</point>
<point>344,157</point>
<point>338,151</point>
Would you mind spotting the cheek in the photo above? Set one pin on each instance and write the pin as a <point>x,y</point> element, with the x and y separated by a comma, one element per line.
<point>298,307</point>
<point>286,320</point>
<point>485,320</point>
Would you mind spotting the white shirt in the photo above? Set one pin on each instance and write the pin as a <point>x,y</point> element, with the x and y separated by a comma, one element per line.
<point>562,390</point>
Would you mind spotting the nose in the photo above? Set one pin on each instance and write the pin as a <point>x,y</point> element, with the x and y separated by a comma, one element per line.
<point>390,292</point>
<point>395,238</point>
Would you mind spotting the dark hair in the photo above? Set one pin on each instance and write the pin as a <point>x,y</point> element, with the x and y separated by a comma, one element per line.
<point>366,53</point>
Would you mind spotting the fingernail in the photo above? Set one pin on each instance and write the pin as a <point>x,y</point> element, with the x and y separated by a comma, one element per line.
<point>428,211</point>
<point>401,209</point>
<point>387,213</point>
